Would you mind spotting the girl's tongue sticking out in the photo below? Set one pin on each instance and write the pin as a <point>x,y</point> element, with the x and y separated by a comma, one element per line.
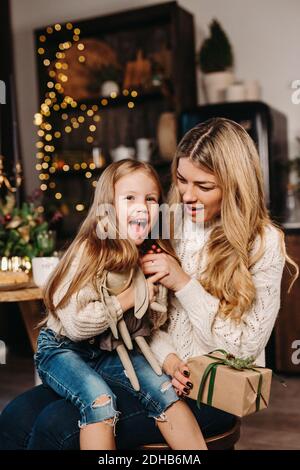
<point>138,228</point>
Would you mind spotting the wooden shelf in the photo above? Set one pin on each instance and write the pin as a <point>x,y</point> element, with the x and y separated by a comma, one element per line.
<point>291,225</point>
<point>158,164</point>
<point>121,100</point>
<point>146,32</point>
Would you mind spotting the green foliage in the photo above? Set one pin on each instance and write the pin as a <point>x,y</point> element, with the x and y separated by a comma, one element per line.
<point>216,53</point>
<point>23,230</point>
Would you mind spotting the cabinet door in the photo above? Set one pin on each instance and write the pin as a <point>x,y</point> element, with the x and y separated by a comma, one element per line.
<point>287,329</point>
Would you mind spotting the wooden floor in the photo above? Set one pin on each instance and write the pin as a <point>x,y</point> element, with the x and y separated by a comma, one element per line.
<point>275,428</point>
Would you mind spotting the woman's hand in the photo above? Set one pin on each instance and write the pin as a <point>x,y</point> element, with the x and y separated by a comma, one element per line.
<point>179,372</point>
<point>174,277</point>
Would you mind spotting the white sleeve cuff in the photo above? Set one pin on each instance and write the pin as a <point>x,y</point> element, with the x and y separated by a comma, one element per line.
<point>161,346</point>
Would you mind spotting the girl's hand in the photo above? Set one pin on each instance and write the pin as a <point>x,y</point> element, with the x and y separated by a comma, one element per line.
<point>126,298</point>
<point>175,278</point>
<point>179,372</point>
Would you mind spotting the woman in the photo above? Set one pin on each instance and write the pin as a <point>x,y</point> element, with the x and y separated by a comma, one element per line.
<point>225,294</point>
<point>227,289</point>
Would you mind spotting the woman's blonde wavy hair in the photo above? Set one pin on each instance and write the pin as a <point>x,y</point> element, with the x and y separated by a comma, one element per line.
<point>114,255</point>
<point>223,148</point>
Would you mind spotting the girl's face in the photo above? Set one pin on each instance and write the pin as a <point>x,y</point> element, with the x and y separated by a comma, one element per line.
<point>137,205</point>
<point>196,186</point>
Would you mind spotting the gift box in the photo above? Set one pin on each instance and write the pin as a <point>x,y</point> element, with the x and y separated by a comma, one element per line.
<point>231,384</point>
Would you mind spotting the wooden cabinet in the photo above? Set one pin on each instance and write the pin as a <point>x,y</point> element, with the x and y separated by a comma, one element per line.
<point>287,328</point>
<point>153,51</point>
<point>9,135</point>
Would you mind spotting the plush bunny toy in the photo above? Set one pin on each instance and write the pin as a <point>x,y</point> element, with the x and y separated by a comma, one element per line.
<point>135,324</point>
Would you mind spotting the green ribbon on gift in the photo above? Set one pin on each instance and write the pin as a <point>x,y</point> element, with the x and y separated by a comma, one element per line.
<point>230,361</point>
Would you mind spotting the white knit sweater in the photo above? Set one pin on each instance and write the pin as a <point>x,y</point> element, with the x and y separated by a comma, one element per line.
<point>196,329</point>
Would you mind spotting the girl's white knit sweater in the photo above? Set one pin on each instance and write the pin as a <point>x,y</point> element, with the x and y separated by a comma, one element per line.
<point>196,329</point>
<point>84,316</point>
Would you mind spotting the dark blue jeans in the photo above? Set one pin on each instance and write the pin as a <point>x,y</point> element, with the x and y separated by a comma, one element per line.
<point>40,419</point>
<point>81,372</point>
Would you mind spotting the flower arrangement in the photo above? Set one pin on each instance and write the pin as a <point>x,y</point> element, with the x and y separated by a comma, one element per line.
<point>24,232</point>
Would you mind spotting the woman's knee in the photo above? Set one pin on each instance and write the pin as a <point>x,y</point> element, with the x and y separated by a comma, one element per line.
<point>56,428</point>
<point>14,437</point>
<point>24,411</point>
<point>211,420</point>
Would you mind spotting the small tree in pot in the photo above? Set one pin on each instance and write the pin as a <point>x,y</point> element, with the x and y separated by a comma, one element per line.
<point>216,62</point>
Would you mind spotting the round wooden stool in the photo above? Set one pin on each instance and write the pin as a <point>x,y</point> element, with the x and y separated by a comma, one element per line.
<point>225,441</point>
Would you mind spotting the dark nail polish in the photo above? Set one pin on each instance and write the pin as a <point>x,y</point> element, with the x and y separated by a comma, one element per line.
<point>186,390</point>
<point>190,385</point>
<point>186,373</point>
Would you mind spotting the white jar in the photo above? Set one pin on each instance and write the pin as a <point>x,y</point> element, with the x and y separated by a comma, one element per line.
<point>109,87</point>
<point>42,268</point>
<point>144,149</point>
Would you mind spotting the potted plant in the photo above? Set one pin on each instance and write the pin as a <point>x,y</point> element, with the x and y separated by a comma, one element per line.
<point>24,234</point>
<point>216,62</point>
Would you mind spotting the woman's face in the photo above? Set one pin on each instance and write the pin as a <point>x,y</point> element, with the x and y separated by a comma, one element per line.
<point>137,205</point>
<point>196,186</point>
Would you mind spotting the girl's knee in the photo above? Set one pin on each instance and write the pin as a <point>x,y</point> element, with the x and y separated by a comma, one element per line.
<point>159,397</point>
<point>162,388</point>
<point>102,409</point>
<point>165,386</point>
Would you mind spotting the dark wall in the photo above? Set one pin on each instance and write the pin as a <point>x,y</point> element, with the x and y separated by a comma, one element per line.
<point>11,326</point>
<point>6,72</point>
<point>7,75</point>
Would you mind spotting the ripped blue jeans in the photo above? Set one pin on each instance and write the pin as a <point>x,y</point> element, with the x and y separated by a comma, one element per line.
<point>81,373</point>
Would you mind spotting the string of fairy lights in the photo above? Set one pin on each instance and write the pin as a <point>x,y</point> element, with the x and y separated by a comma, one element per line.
<point>55,101</point>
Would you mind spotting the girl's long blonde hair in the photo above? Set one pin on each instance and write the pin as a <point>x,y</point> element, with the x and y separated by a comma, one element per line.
<point>223,148</point>
<point>109,254</point>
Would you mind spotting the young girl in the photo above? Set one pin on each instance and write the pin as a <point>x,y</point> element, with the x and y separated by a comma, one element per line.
<point>68,357</point>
